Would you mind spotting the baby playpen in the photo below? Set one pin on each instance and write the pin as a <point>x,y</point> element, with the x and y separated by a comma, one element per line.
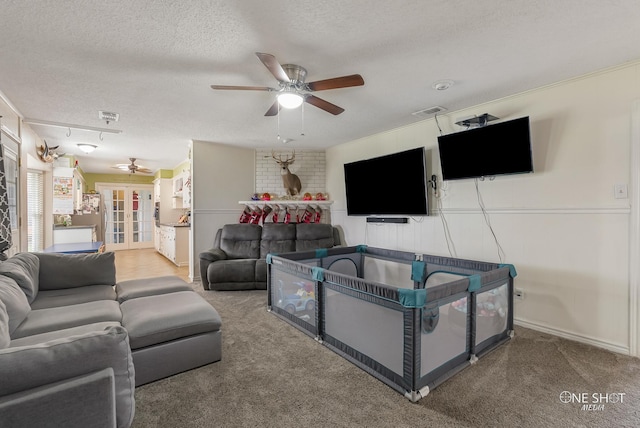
<point>438,317</point>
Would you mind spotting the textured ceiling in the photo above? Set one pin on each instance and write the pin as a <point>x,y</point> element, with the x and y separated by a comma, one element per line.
<point>153,63</point>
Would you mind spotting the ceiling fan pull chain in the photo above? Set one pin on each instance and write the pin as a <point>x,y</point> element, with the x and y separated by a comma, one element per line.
<point>302,126</point>
<point>278,114</point>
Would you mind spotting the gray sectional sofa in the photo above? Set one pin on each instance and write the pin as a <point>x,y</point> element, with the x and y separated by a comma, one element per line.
<point>237,259</point>
<point>74,344</point>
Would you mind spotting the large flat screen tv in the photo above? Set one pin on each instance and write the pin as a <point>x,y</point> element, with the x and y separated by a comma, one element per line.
<point>503,148</point>
<point>394,184</point>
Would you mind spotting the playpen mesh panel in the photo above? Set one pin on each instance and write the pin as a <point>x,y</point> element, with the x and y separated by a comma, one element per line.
<point>369,328</point>
<point>439,278</point>
<point>344,265</point>
<point>449,337</point>
<point>492,308</point>
<point>293,295</point>
<point>388,272</point>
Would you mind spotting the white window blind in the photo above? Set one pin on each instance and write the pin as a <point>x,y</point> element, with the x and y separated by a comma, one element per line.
<point>35,211</point>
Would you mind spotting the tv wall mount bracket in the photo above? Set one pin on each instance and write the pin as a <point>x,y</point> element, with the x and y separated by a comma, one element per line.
<point>477,121</point>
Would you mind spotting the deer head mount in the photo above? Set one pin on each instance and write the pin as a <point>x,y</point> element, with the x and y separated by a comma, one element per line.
<point>291,182</point>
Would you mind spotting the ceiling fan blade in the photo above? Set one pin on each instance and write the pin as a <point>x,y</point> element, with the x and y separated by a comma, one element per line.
<point>274,109</point>
<point>336,82</point>
<point>324,105</point>
<point>242,88</point>
<point>274,66</point>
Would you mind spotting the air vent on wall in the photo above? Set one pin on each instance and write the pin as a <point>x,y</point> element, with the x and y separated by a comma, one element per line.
<point>429,111</point>
<point>108,116</point>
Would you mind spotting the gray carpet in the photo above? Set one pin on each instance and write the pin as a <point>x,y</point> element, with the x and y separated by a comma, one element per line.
<point>272,375</point>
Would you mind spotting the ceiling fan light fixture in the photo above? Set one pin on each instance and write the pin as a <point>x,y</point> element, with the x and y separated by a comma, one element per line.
<point>87,148</point>
<point>290,100</point>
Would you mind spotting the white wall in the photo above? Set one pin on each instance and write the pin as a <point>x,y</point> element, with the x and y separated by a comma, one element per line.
<point>309,166</point>
<point>221,176</point>
<point>561,226</point>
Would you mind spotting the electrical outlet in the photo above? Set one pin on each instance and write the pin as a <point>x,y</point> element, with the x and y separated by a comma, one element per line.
<point>620,191</point>
<point>518,294</point>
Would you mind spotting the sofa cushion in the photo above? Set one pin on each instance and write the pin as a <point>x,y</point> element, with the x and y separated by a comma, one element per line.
<point>73,296</point>
<point>239,270</point>
<point>277,238</point>
<point>261,272</point>
<point>23,268</point>
<point>132,289</point>
<point>157,319</point>
<point>15,301</point>
<point>5,338</point>
<point>76,270</point>
<point>27,367</point>
<point>51,319</point>
<point>310,236</point>
<point>241,241</point>
<point>62,333</point>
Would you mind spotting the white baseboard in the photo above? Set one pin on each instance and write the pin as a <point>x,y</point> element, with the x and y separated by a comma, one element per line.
<point>575,337</point>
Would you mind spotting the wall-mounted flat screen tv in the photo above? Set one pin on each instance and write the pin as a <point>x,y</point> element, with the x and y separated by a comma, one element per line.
<point>394,184</point>
<point>503,148</point>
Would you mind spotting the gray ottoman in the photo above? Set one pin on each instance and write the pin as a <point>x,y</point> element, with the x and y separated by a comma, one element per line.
<point>135,288</point>
<point>171,333</point>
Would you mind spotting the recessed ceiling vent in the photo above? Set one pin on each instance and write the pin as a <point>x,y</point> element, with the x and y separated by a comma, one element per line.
<point>108,116</point>
<point>429,111</point>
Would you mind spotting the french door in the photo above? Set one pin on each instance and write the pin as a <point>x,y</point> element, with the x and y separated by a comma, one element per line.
<point>128,215</point>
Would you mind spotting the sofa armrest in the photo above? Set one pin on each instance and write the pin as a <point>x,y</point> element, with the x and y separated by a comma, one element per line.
<point>37,368</point>
<point>83,401</point>
<point>213,255</point>
<point>206,258</point>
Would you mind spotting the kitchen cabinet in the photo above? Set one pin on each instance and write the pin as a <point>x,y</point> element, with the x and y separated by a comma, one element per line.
<point>173,243</point>
<point>182,190</point>
<point>186,191</point>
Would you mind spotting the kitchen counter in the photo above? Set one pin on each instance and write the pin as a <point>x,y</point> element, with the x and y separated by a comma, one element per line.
<point>74,234</point>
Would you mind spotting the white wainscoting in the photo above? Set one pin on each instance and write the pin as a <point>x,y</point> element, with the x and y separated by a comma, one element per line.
<point>570,263</point>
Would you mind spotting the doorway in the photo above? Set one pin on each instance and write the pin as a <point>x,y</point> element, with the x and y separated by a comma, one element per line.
<point>128,215</point>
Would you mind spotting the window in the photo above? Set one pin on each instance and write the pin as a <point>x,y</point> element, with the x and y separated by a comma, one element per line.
<point>35,211</point>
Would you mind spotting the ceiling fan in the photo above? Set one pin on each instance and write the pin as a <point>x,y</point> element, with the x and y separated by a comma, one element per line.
<point>293,90</point>
<point>132,167</point>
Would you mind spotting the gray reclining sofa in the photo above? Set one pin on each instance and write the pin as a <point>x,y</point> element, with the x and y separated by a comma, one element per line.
<point>237,259</point>
<point>74,344</point>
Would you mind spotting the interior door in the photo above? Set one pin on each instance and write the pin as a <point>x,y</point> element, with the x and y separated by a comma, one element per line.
<point>128,216</point>
<point>141,220</point>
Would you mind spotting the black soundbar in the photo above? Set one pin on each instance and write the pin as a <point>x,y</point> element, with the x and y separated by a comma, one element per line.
<point>387,220</point>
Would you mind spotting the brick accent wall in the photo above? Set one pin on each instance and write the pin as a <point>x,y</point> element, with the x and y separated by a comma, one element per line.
<point>309,166</point>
